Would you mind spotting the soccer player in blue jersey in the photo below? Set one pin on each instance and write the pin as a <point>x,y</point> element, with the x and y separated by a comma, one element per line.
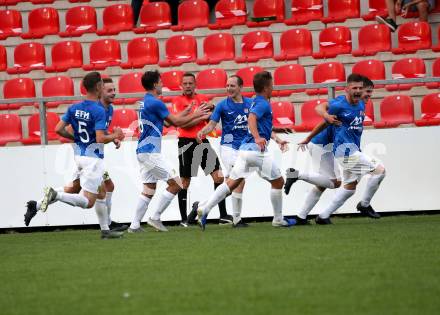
<point>233,112</point>
<point>253,156</point>
<point>320,145</point>
<point>106,100</point>
<point>88,121</point>
<point>153,113</point>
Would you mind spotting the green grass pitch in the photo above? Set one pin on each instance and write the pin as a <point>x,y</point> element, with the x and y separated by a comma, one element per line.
<point>356,266</point>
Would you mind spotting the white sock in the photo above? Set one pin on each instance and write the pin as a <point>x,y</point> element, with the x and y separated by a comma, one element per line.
<point>164,202</point>
<point>76,200</point>
<point>58,190</point>
<point>219,194</point>
<point>276,198</point>
<point>108,203</point>
<point>102,214</point>
<point>311,200</point>
<point>237,201</point>
<point>141,208</point>
<point>316,179</point>
<point>339,199</point>
<point>372,186</point>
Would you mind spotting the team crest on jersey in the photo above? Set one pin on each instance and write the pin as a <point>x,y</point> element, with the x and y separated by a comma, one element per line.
<point>240,119</point>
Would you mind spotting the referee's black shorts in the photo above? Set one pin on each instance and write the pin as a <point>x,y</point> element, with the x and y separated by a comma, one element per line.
<point>192,155</point>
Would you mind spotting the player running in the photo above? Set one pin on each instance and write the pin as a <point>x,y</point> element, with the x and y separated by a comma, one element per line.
<point>88,121</point>
<point>253,156</point>
<point>233,112</point>
<point>153,165</point>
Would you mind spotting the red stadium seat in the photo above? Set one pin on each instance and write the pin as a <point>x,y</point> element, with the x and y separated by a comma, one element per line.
<point>247,74</point>
<point>407,68</point>
<point>289,75</point>
<point>154,16</point>
<point>309,117</point>
<point>104,53</point>
<point>283,115</point>
<point>305,11</point>
<point>192,14</point>
<point>328,72</point>
<point>369,113</point>
<point>42,22</point>
<point>212,79</point>
<point>116,18</point>
<point>255,46</point>
<point>376,8</point>
<point>395,110</point>
<point>269,11</point>
<point>28,57</point>
<point>435,73</point>
<point>10,2</point>
<point>34,137</point>
<point>127,120</point>
<point>65,55</point>
<point>340,10</point>
<point>372,69</point>
<point>334,41</point>
<point>57,86</point>
<point>130,83</point>
<point>141,51</point>
<point>10,23</point>
<point>19,88</point>
<point>413,36</point>
<point>430,110</point>
<point>295,43</point>
<point>372,39</point>
<point>3,58</point>
<point>10,128</point>
<point>171,81</point>
<point>229,13</point>
<point>79,20</point>
<point>217,48</point>
<point>179,49</point>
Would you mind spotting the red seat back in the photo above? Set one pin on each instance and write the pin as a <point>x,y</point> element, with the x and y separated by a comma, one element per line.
<point>219,46</point>
<point>290,74</point>
<point>309,117</point>
<point>329,72</point>
<point>397,109</point>
<point>155,14</point>
<point>283,114</point>
<point>131,83</point>
<point>3,58</point>
<point>105,50</point>
<point>181,47</point>
<point>66,55</point>
<point>343,8</point>
<point>296,42</point>
<point>172,80</point>
<point>43,21</point>
<point>211,79</point>
<point>372,69</point>
<point>408,68</point>
<point>374,38</point>
<point>57,86</point>
<point>10,23</point>
<point>143,50</point>
<point>414,36</point>
<point>126,119</point>
<point>118,18</point>
<point>192,14</point>
<point>431,106</point>
<point>335,40</point>
<point>29,55</point>
<point>10,128</point>
<point>81,19</point>
<point>19,88</point>
<point>231,12</point>
<point>305,11</point>
<point>52,120</point>
<point>257,44</point>
<point>269,8</point>
<point>247,75</point>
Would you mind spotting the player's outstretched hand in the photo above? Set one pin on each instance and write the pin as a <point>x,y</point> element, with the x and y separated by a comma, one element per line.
<point>302,145</point>
<point>117,143</point>
<point>284,146</point>
<point>202,111</point>
<point>261,142</point>
<point>199,137</point>
<point>119,134</point>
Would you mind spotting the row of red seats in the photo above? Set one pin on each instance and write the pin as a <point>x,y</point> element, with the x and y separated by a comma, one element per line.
<point>395,110</point>
<point>15,2</point>
<point>217,48</point>
<point>154,16</point>
<point>216,79</point>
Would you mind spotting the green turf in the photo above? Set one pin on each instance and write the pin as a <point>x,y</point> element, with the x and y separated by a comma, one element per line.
<point>356,266</point>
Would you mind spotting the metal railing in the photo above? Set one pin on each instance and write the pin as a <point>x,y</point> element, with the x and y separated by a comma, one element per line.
<point>330,86</point>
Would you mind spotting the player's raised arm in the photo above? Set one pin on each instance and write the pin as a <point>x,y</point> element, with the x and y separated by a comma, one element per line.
<point>206,130</point>
<point>200,114</point>
<point>322,110</point>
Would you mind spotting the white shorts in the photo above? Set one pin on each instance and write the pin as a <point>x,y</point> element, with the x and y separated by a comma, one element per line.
<point>323,160</point>
<point>90,172</point>
<point>254,161</point>
<point>154,167</point>
<point>229,157</point>
<point>355,166</point>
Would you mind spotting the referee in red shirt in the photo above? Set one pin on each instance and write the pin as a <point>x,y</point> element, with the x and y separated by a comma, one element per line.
<point>193,155</point>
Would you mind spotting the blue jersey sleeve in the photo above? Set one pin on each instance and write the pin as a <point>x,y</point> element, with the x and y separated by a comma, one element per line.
<point>161,110</point>
<point>334,108</point>
<point>259,109</point>
<point>217,113</point>
<point>67,117</point>
<point>100,119</point>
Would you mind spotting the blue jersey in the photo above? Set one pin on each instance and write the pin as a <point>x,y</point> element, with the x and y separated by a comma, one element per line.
<point>234,120</point>
<point>347,136</point>
<point>325,137</point>
<point>262,109</point>
<point>85,118</point>
<point>108,114</point>
<point>152,114</point>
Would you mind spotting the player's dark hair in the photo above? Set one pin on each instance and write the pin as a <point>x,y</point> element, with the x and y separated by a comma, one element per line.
<point>90,81</point>
<point>107,80</point>
<point>367,82</point>
<point>239,80</point>
<point>149,79</point>
<point>261,80</point>
<point>354,77</point>
<point>189,74</point>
